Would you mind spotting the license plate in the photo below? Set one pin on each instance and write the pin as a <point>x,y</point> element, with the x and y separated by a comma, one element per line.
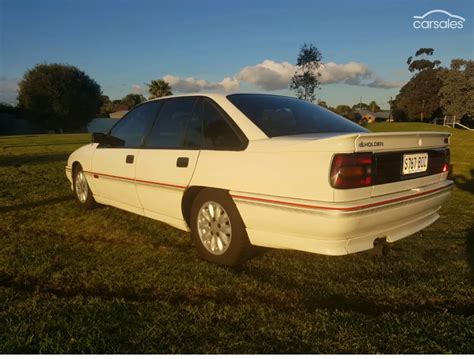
<point>415,163</point>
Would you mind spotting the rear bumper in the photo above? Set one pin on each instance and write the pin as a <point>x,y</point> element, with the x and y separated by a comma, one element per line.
<point>338,229</point>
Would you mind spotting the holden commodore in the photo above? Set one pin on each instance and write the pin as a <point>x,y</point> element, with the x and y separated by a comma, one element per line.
<point>246,170</point>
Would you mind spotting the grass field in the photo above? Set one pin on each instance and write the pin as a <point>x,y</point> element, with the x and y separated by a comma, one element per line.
<point>108,281</point>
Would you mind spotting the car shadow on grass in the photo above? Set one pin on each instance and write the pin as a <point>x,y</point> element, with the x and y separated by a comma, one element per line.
<point>470,252</point>
<point>20,160</point>
<point>30,205</point>
<point>464,183</point>
<point>320,295</point>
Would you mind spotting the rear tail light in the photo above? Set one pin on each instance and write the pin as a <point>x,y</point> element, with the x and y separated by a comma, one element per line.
<point>447,156</point>
<point>352,170</point>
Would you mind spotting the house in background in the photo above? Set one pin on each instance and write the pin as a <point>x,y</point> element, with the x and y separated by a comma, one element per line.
<point>366,116</point>
<point>104,124</point>
<point>120,111</point>
<point>117,115</point>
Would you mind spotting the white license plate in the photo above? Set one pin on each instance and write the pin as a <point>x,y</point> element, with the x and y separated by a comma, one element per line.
<point>415,163</point>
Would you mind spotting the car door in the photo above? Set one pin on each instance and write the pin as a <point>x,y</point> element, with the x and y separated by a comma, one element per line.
<point>114,167</point>
<point>166,163</point>
<point>222,144</point>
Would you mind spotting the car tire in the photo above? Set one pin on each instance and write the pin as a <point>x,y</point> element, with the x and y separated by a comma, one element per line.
<point>217,229</point>
<point>82,192</point>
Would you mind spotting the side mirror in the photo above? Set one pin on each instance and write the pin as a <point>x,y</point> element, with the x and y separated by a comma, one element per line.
<point>104,139</point>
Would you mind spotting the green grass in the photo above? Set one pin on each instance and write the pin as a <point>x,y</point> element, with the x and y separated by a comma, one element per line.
<point>108,281</point>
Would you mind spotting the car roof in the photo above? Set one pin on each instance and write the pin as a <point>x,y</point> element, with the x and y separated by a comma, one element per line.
<point>214,95</point>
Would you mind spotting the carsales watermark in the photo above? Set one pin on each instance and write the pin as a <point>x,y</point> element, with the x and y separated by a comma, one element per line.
<point>432,20</point>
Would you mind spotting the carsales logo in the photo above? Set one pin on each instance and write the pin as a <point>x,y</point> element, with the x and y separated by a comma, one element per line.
<point>448,22</point>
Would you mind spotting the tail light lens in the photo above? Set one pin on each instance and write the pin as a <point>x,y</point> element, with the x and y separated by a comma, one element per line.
<point>446,160</point>
<point>352,170</point>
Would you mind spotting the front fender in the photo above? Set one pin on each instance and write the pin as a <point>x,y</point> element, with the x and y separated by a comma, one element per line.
<point>83,156</point>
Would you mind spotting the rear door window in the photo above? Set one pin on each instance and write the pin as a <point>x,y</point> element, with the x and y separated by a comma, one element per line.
<point>170,127</point>
<point>218,134</point>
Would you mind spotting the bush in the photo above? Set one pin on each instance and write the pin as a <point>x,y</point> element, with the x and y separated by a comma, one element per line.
<point>58,97</point>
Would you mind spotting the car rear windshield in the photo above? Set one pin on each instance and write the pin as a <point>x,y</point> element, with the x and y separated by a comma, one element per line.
<point>286,116</point>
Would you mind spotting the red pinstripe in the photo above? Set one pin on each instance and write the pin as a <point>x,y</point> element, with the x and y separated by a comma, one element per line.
<point>293,204</point>
<point>355,208</point>
<point>136,180</point>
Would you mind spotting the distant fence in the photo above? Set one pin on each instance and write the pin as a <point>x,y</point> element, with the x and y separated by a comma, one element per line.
<point>11,125</point>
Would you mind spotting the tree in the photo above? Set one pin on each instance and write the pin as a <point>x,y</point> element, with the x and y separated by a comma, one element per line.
<point>457,89</point>
<point>418,99</point>
<point>305,80</point>
<point>8,108</point>
<point>106,106</point>
<point>159,88</point>
<point>399,115</point>
<point>420,64</point>
<point>323,104</point>
<point>374,107</point>
<point>345,111</point>
<point>133,99</point>
<point>360,106</point>
<point>58,96</point>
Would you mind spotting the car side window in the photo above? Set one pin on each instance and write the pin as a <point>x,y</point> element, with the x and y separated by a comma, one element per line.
<point>170,126</point>
<point>218,134</point>
<point>193,133</point>
<point>132,128</point>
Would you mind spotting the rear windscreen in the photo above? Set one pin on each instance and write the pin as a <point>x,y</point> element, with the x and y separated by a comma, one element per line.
<point>286,116</point>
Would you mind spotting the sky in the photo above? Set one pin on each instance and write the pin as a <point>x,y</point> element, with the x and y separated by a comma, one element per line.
<point>229,45</point>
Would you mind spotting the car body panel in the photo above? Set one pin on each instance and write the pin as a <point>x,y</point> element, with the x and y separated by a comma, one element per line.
<point>160,183</point>
<point>271,173</point>
<point>311,226</point>
<point>112,177</point>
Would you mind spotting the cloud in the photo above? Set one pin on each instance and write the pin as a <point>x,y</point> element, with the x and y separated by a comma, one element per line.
<point>137,89</point>
<point>352,73</point>
<point>8,90</point>
<point>382,84</point>
<point>190,84</point>
<point>271,75</point>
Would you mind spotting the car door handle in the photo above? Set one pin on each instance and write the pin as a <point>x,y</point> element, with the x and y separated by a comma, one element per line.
<point>182,162</point>
<point>130,158</point>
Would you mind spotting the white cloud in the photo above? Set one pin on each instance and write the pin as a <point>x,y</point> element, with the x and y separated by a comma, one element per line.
<point>137,89</point>
<point>271,75</point>
<point>190,84</point>
<point>8,90</point>
<point>383,84</point>
<point>352,73</point>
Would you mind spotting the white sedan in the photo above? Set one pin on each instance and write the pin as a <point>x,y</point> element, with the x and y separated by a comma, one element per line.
<point>247,170</point>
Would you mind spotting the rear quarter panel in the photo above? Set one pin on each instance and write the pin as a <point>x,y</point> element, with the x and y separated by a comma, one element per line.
<point>300,175</point>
